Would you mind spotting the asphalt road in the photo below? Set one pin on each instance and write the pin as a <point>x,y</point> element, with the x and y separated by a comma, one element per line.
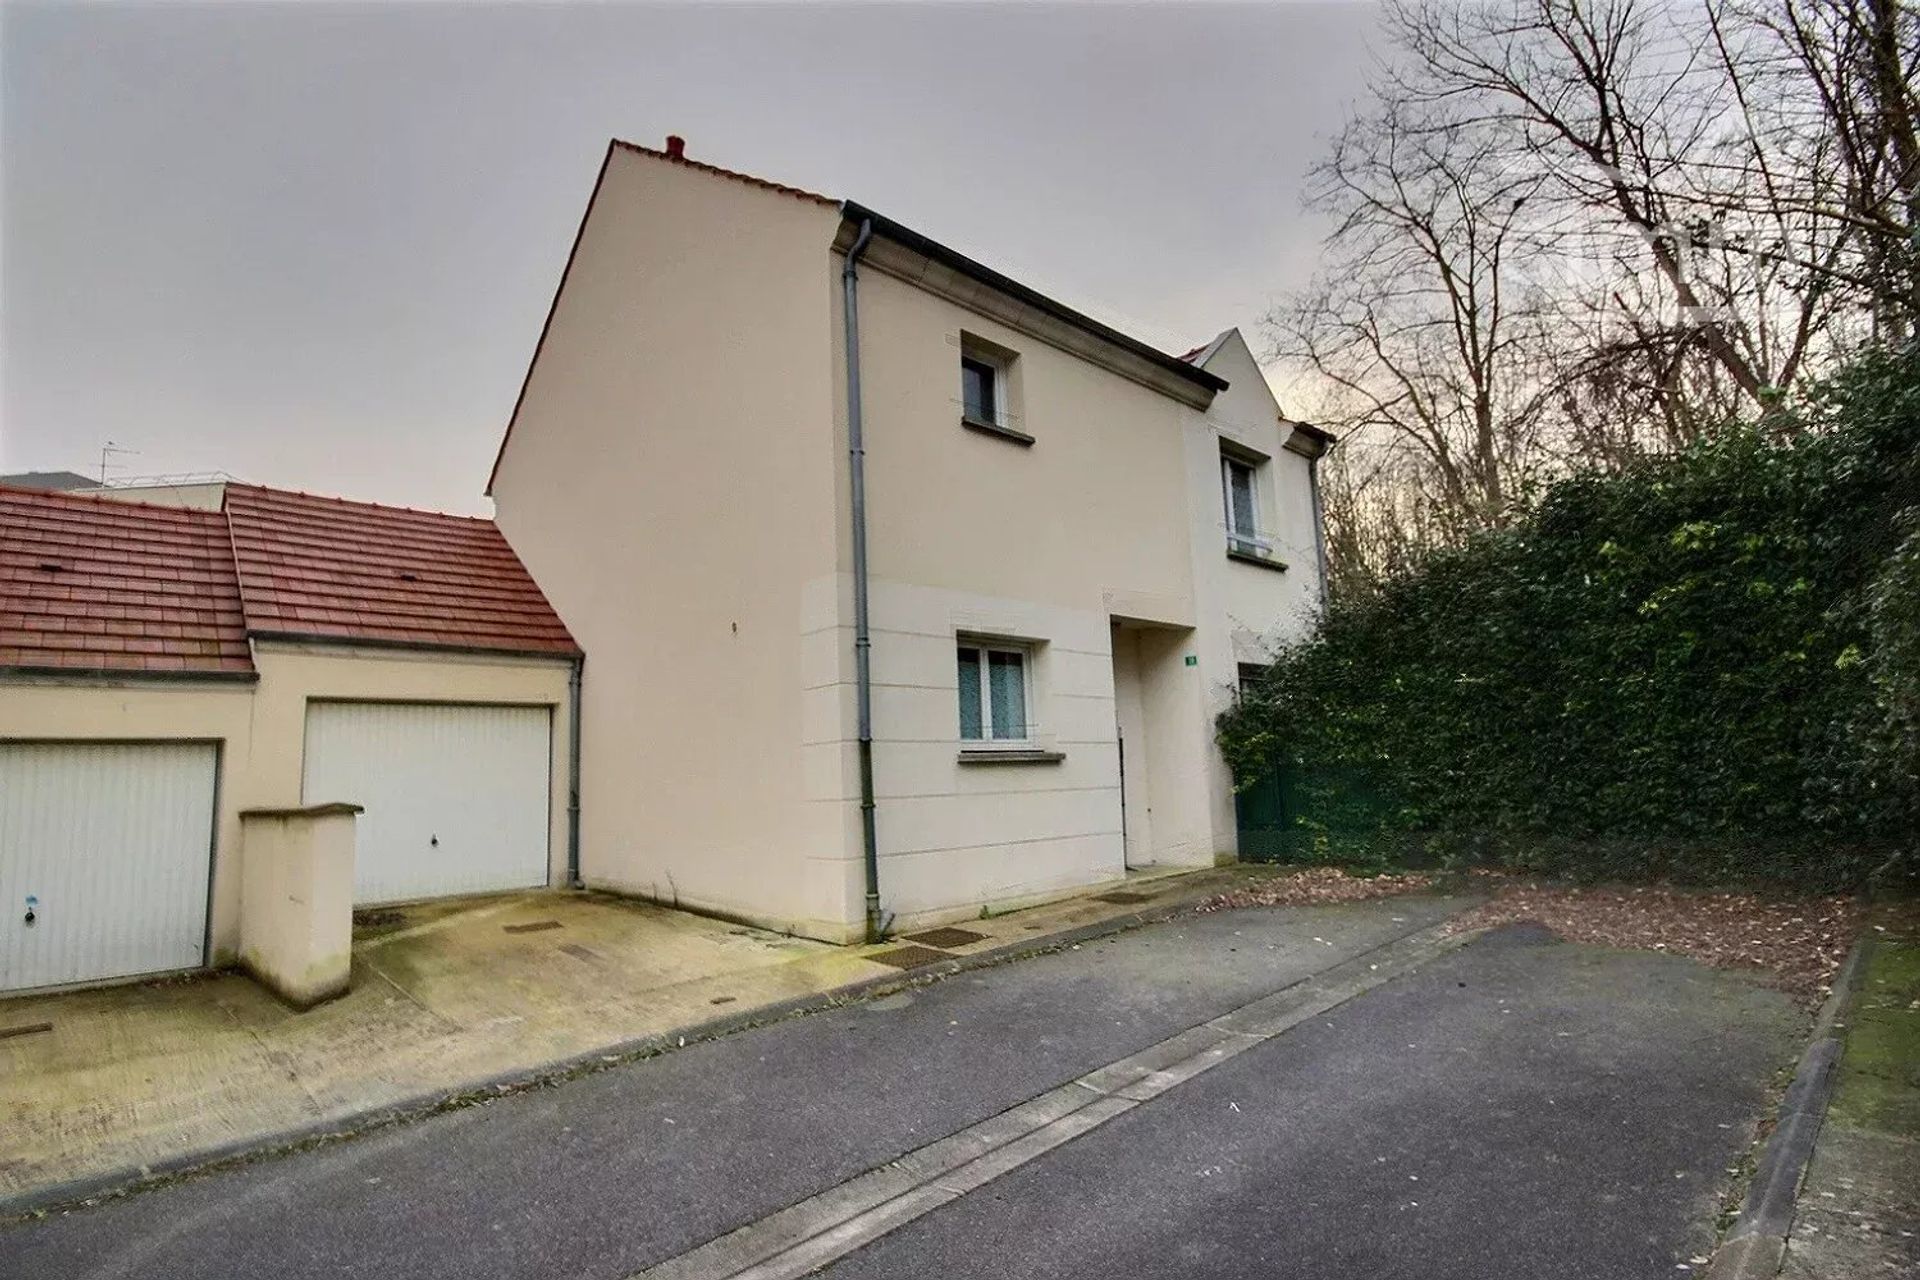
<point>1518,1107</point>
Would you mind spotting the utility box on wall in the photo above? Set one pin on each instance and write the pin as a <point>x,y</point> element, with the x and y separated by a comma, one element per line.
<point>296,913</point>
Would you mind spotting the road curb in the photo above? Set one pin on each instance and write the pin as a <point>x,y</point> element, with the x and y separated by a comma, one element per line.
<point>1756,1245</point>
<point>133,1178</point>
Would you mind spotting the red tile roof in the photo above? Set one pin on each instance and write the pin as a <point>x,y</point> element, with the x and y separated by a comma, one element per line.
<point>99,585</point>
<point>96,584</point>
<point>326,568</point>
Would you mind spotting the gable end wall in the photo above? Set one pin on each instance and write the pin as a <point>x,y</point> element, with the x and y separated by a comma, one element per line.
<point>669,482</point>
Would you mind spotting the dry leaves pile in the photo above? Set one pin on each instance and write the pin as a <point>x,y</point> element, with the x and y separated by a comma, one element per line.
<point>1798,942</point>
<point>1317,885</point>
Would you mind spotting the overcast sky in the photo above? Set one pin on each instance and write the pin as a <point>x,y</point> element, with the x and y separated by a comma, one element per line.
<point>312,245</point>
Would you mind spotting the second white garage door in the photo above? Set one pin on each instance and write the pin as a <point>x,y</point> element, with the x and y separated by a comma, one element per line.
<point>456,797</point>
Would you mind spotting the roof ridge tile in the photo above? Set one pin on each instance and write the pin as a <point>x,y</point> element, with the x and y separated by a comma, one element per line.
<point>785,189</point>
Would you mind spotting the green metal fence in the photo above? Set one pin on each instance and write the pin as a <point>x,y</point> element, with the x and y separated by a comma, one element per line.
<point>1298,813</point>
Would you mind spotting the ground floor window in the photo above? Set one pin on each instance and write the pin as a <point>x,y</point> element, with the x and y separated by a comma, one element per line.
<point>993,691</point>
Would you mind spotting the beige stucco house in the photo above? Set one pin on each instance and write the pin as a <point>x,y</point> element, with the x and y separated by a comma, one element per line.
<point>1065,547</point>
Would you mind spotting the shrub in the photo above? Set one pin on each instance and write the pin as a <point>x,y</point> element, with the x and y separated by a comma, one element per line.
<point>1706,667</point>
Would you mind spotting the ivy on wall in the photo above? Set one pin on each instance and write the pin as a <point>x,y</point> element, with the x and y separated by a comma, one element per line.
<point>1708,666</point>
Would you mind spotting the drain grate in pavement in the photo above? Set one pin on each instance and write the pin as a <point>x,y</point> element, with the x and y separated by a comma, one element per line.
<point>579,952</point>
<point>1123,897</point>
<point>538,926</point>
<point>909,957</point>
<point>947,937</point>
<point>30,1029</point>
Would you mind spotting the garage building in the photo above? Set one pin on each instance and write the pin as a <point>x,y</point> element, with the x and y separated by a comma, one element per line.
<point>164,668</point>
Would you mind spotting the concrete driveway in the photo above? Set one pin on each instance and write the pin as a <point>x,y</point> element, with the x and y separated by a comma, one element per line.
<point>448,997</point>
<point>442,994</point>
<point>1381,1105</point>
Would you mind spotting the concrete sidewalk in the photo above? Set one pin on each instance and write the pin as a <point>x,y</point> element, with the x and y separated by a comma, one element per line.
<point>106,1087</point>
<point>1858,1211</point>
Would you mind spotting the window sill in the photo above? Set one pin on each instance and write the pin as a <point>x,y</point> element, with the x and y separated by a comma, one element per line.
<point>1010,755</point>
<point>1254,557</point>
<point>986,428</point>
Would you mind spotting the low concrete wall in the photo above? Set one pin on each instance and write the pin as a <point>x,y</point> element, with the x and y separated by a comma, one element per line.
<point>296,901</point>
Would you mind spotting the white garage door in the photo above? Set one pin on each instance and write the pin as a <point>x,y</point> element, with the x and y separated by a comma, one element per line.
<point>108,847</point>
<point>455,796</point>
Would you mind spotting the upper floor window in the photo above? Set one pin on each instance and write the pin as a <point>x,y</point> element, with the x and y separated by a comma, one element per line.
<point>980,390</point>
<point>990,389</point>
<point>1243,524</point>
<point>1240,484</point>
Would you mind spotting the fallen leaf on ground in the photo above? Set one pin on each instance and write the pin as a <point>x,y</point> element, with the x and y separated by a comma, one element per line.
<point>1798,943</point>
<point>1317,885</point>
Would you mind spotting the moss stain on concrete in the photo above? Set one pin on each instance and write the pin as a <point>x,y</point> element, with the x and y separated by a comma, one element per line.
<point>1879,1076</point>
<point>1858,1212</point>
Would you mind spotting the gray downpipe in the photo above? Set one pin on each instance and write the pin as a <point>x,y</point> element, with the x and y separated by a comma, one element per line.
<point>862,638</point>
<point>573,774</point>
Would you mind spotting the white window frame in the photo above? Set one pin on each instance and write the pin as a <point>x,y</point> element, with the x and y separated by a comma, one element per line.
<point>984,647</point>
<point>1000,378</point>
<point>1245,541</point>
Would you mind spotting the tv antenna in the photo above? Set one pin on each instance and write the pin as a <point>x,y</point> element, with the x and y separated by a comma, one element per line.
<point>108,452</point>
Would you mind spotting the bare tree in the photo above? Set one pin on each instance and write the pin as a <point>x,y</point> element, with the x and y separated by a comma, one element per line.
<point>1378,520</point>
<point>1574,232</point>
<point>1421,332</point>
<point>1629,109</point>
<point>1834,87</point>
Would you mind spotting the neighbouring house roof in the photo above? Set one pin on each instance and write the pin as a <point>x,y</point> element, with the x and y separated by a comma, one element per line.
<point>1204,352</point>
<point>49,480</point>
<point>328,569</point>
<point>115,587</point>
<point>1314,442</point>
<point>1321,434</point>
<point>1320,438</point>
<point>90,584</point>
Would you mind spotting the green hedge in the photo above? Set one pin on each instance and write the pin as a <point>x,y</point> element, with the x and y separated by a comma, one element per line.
<point>1703,667</point>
